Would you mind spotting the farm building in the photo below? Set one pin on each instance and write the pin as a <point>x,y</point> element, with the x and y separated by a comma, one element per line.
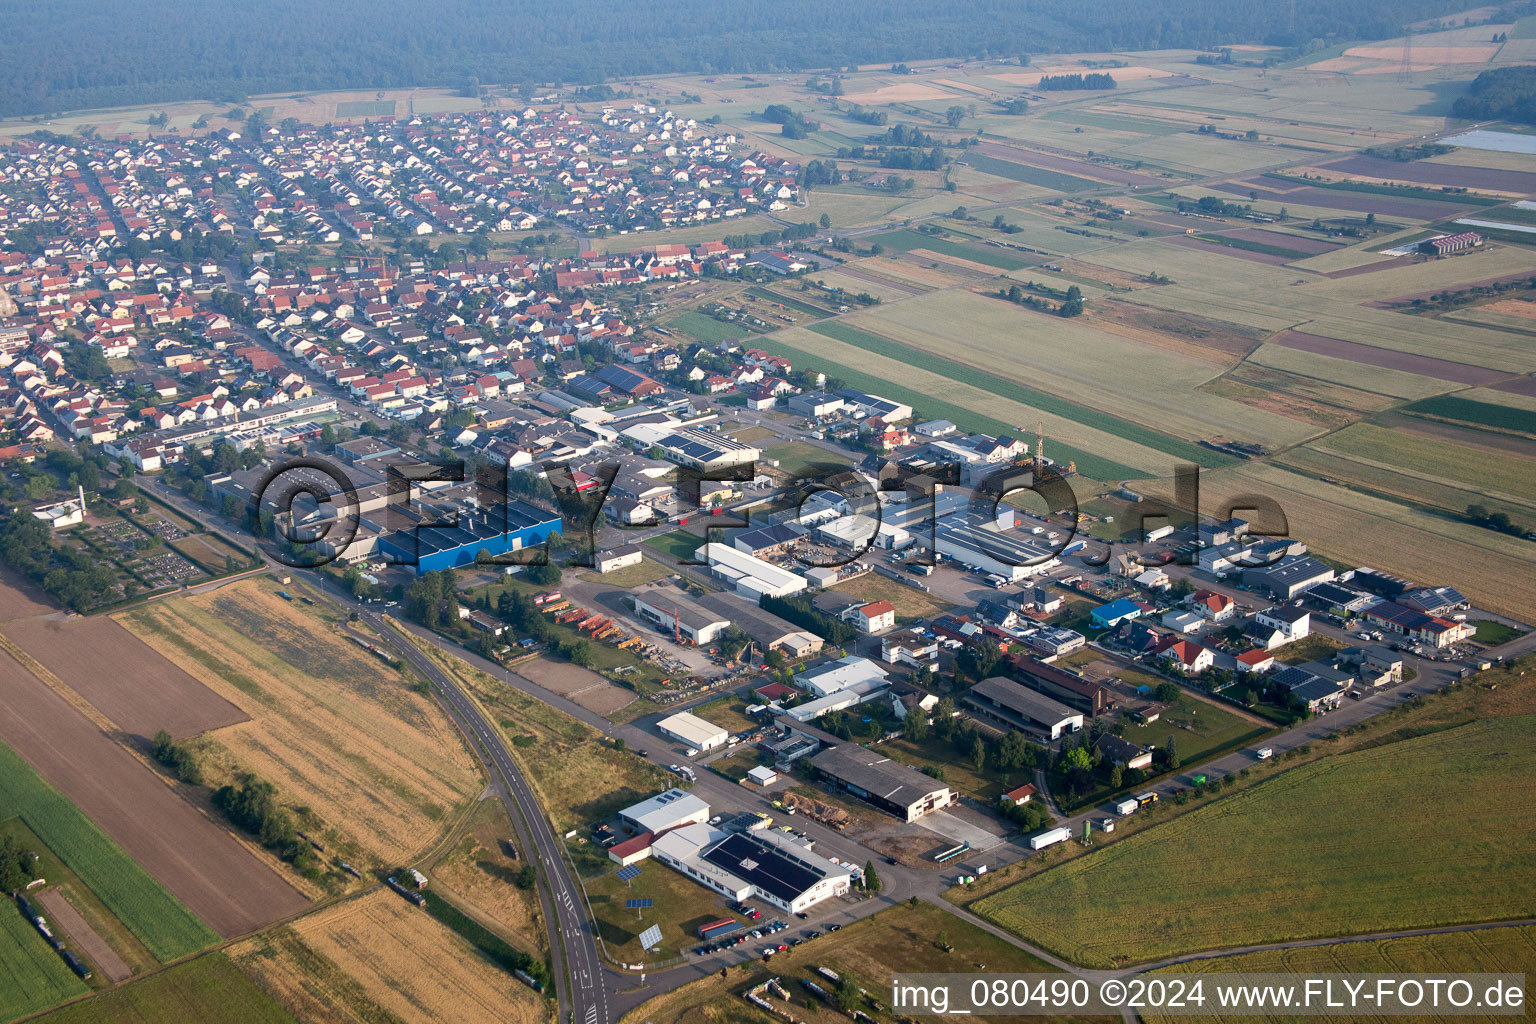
<point>1447,244</point>
<point>1015,706</point>
<point>692,730</point>
<point>889,785</point>
<point>669,809</point>
<point>510,527</point>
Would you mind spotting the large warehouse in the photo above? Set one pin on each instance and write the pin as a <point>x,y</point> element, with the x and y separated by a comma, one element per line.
<point>672,612</point>
<point>1011,554</point>
<point>692,730</point>
<point>509,527</point>
<point>751,577</point>
<point>889,785</point>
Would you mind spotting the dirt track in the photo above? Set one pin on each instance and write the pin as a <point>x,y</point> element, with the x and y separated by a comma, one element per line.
<point>83,935</point>
<point>218,879</point>
<point>126,680</point>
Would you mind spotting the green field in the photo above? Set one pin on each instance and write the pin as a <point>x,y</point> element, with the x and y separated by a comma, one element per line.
<point>1492,634</point>
<point>209,988</point>
<point>905,241</point>
<point>1484,414</point>
<point>706,328</point>
<point>1029,396</point>
<point>34,977</point>
<point>160,920</point>
<point>1055,180</point>
<point>1288,858</point>
<point>680,544</point>
<point>1499,950</point>
<point>1114,122</point>
<point>1248,245</point>
<point>1088,464</point>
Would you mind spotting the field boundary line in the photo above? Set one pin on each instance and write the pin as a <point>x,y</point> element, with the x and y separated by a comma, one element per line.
<point>63,689</point>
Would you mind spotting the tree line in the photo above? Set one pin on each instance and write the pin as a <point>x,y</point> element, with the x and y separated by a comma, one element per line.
<point>75,54</point>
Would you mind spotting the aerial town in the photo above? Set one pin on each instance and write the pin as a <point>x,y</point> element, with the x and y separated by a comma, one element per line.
<point>692,549</point>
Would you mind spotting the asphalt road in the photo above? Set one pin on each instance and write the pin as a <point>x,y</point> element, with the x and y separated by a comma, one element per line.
<point>580,976</point>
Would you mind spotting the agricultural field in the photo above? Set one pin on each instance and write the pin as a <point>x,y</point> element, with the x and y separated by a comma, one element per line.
<point>901,939</point>
<point>332,726</point>
<point>1496,950</point>
<point>1082,368</point>
<point>579,777</point>
<point>377,957</point>
<point>208,988</point>
<point>1294,863</point>
<point>165,926</point>
<point>35,977</point>
<point>1496,474</point>
<point>478,872</point>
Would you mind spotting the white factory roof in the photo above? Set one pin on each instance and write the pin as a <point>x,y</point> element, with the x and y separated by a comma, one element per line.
<point>748,572</point>
<point>692,729</point>
<point>665,810</point>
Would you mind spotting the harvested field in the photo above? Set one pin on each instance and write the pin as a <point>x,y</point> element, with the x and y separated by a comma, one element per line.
<point>1429,55</point>
<point>1233,251</point>
<point>906,270</point>
<point>20,598</point>
<point>1499,474</point>
<point>1171,329</point>
<point>379,955</point>
<point>217,878</point>
<point>1365,202</point>
<point>1371,355</point>
<point>101,956</point>
<point>1347,372</point>
<point>1519,386</point>
<point>1524,308</point>
<point>858,279</point>
<point>1066,165</point>
<point>1298,243</point>
<point>1487,179</point>
<point>901,92</point>
<point>331,726</point>
<point>481,874</point>
<point>124,679</point>
<point>968,269</point>
<point>581,685</point>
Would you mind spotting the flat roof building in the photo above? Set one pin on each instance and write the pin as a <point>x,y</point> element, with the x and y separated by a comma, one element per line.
<point>889,785</point>
<point>674,613</point>
<point>832,676</point>
<point>753,864</point>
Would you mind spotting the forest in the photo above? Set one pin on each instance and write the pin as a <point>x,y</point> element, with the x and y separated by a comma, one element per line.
<point>81,54</point>
<point>1507,94</point>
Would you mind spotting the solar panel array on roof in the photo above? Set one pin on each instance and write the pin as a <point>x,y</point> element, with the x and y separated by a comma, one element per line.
<point>762,864</point>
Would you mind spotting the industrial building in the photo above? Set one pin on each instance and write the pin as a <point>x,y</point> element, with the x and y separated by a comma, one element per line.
<point>1446,244</point>
<point>671,809</point>
<point>889,785</point>
<point>508,527</point>
<point>768,866</point>
<point>621,557</point>
<point>1015,706</point>
<point>1288,578</point>
<point>705,449</point>
<point>766,629</point>
<point>672,612</point>
<point>692,730</point>
<point>1072,690</point>
<point>989,547</point>
<point>750,577</point>
<point>834,676</point>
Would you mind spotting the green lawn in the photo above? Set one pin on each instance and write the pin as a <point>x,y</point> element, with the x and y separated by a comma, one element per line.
<point>706,328</point>
<point>958,769</point>
<point>1200,728</point>
<point>634,575</point>
<point>728,713</point>
<point>209,988</point>
<point>801,460</point>
<point>159,919</point>
<point>1292,858</point>
<point>1309,648</point>
<point>1493,633</point>
<point>679,906</point>
<point>680,544</point>
<point>33,978</point>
